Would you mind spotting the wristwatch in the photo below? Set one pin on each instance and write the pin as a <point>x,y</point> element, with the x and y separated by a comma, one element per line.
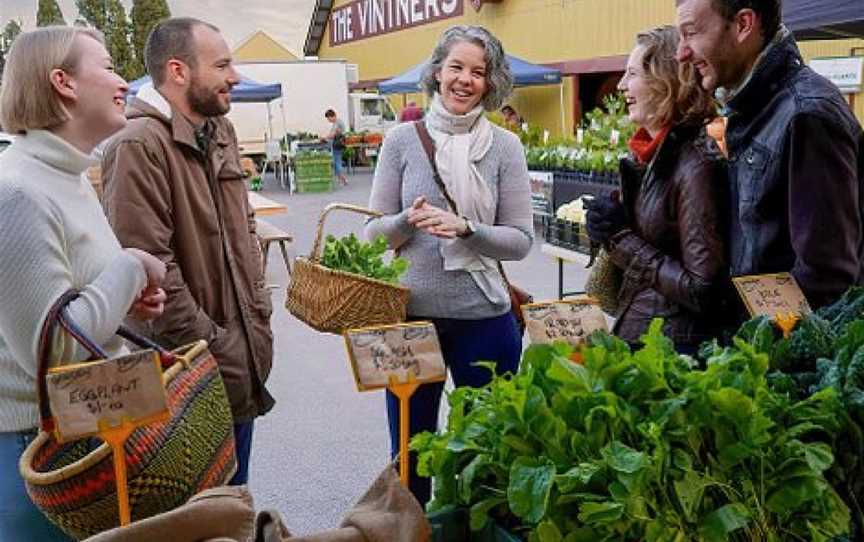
<point>469,228</point>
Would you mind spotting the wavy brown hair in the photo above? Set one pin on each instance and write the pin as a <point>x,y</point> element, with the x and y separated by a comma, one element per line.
<point>677,95</point>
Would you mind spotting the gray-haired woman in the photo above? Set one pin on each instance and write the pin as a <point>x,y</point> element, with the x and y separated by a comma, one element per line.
<point>454,253</point>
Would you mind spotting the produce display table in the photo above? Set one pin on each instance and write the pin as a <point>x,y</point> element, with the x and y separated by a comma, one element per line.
<point>265,206</point>
<point>564,255</point>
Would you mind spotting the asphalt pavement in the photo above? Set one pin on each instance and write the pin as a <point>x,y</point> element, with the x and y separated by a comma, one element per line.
<point>324,442</point>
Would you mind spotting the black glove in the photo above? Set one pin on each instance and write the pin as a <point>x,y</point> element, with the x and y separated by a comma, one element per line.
<point>606,216</point>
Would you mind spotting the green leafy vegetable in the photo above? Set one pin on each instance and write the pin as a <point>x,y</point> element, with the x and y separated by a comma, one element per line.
<point>352,255</point>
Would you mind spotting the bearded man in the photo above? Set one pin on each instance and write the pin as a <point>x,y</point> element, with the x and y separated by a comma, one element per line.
<point>174,187</point>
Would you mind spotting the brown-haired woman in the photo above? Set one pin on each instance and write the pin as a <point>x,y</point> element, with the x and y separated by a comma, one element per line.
<point>668,234</point>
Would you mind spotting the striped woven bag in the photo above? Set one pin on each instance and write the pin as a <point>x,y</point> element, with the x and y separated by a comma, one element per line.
<point>168,462</point>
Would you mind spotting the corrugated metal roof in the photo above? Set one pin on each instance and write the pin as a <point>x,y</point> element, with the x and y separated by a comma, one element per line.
<point>317,26</point>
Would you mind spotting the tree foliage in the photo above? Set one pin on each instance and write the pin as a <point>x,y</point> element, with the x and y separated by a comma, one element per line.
<point>109,17</point>
<point>145,15</point>
<point>48,13</point>
<point>10,32</point>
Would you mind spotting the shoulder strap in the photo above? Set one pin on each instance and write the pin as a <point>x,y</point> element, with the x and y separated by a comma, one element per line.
<point>429,147</point>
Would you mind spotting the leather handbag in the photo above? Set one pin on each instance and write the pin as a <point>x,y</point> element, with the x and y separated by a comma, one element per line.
<point>168,462</point>
<point>518,296</point>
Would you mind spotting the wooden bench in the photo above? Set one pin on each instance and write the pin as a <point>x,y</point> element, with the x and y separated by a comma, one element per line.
<point>268,233</point>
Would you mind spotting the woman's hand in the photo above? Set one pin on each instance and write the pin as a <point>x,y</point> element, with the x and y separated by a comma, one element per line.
<point>435,221</point>
<point>150,305</point>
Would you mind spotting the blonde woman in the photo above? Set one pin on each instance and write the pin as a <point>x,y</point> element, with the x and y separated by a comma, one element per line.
<point>669,233</point>
<point>61,96</point>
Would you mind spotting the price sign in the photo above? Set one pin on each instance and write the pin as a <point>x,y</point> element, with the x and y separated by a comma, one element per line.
<point>127,388</point>
<point>379,352</point>
<point>569,320</point>
<point>771,294</point>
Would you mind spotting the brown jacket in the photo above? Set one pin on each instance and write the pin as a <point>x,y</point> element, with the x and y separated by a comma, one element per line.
<point>674,256</point>
<point>164,196</point>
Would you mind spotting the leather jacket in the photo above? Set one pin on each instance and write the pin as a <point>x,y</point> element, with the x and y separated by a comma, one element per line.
<point>796,167</point>
<point>674,253</point>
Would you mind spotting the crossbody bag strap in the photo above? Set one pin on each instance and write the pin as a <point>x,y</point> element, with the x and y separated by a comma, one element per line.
<point>429,147</point>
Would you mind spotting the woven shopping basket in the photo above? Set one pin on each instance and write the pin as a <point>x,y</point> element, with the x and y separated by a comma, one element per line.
<point>168,462</point>
<point>331,301</point>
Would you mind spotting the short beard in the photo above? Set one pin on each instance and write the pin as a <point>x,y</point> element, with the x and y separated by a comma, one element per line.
<point>204,101</point>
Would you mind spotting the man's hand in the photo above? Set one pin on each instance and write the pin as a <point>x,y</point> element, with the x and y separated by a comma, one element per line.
<point>435,221</point>
<point>154,268</point>
<point>605,218</point>
<point>150,305</point>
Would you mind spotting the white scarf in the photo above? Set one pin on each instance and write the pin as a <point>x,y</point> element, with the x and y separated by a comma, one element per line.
<point>460,142</point>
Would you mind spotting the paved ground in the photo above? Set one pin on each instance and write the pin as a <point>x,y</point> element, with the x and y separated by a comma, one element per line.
<point>324,443</point>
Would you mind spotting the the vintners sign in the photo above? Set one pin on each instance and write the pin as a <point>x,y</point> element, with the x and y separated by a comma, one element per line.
<point>366,18</point>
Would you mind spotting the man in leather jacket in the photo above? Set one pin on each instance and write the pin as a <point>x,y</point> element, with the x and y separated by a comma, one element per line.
<point>796,152</point>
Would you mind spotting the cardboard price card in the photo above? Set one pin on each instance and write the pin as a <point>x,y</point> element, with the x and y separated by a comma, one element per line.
<point>126,388</point>
<point>569,320</point>
<point>772,294</point>
<point>379,352</point>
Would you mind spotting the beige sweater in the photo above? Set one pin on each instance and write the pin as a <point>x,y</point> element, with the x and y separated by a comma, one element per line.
<point>53,237</point>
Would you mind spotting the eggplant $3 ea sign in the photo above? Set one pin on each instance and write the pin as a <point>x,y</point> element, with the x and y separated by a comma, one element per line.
<point>86,397</point>
<point>570,321</point>
<point>398,350</point>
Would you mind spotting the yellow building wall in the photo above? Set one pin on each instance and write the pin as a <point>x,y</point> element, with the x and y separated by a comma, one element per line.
<point>540,31</point>
<point>814,49</point>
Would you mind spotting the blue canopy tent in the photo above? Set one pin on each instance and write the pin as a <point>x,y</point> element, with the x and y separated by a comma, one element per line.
<point>524,74</point>
<point>824,19</point>
<point>247,91</point>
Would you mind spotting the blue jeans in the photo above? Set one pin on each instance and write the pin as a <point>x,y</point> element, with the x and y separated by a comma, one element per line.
<point>463,342</point>
<point>20,520</point>
<point>243,443</point>
<point>337,162</point>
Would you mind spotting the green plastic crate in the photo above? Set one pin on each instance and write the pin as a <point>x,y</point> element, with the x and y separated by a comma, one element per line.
<point>316,185</point>
<point>313,171</point>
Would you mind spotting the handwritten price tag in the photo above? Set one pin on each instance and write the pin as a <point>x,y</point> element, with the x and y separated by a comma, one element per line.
<point>127,388</point>
<point>772,294</point>
<point>378,352</point>
<point>570,321</point>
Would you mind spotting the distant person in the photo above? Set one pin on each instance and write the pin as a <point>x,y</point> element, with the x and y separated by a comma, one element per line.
<point>61,97</point>
<point>336,137</point>
<point>796,151</point>
<point>671,225</point>
<point>454,253</point>
<point>175,186</point>
<point>411,113</point>
<point>512,119</point>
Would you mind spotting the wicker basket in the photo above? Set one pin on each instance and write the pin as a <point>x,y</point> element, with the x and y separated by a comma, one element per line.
<point>169,462</point>
<point>332,301</point>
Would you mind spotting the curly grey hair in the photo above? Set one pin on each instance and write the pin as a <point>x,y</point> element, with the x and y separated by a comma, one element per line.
<point>499,79</point>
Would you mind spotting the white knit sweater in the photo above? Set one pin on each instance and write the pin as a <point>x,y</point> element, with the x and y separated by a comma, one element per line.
<point>53,237</point>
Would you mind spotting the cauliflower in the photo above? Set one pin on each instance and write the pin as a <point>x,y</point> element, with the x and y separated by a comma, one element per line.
<point>573,211</point>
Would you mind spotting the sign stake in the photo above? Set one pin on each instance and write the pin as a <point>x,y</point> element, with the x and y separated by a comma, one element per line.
<point>786,322</point>
<point>116,437</point>
<point>404,391</point>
